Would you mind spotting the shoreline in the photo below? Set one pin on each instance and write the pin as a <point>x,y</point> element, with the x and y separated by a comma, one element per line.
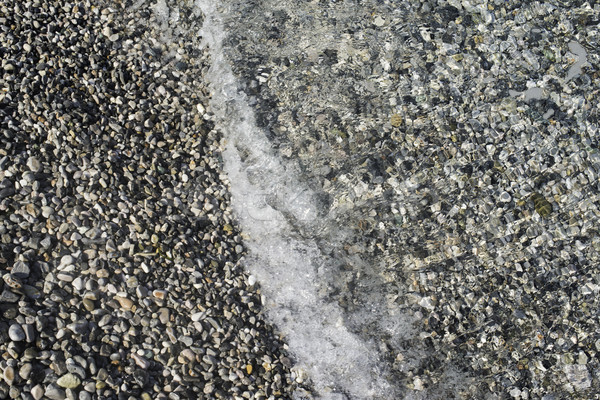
<point>120,255</point>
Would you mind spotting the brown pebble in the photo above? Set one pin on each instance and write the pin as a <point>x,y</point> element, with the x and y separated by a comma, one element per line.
<point>102,273</point>
<point>124,302</point>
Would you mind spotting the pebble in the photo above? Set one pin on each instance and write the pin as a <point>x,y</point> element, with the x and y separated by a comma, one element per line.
<point>163,315</point>
<point>9,375</point>
<point>159,294</point>
<point>78,283</point>
<point>25,371</point>
<point>140,361</point>
<point>124,302</point>
<point>112,154</point>
<point>53,392</point>
<point>7,296</point>
<point>64,277</point>
<point>29,331</point>
<point>34,164</point>
<point>88,304</point>
<point>37,391</point>
<point>16,333</point>
<point>505,197</point>
<point>21,270</point>
<point>103,273</point>
<point>69,381</point>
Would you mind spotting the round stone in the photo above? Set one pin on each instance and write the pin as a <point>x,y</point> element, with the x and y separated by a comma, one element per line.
<point>505,197</point>
<point>16,333</point>
<point>37,392</point>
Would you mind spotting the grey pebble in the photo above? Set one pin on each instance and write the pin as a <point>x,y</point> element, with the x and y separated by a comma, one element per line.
<point>54,392</point>
<point>34,164</point>
<point>84,395</point>
<point>8,296</point>
<point>16,333</point>
<point>64,277</point>
<point>29,332</point>
<point>21,269</point>
<point>186,340</point>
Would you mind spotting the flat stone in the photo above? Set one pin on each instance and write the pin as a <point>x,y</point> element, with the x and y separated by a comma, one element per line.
<point>34,164</point>
<point>69,381</point>
<point>64,277</point>
<point>21,269</point>
<point>37,391</point>
<point>9,375</point>
<point>8,297</point>
<point>54,392</point>
<point>29,333</point>
<point>140,361</point>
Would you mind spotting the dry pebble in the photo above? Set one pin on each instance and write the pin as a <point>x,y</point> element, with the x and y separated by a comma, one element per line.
<point>115,224</point>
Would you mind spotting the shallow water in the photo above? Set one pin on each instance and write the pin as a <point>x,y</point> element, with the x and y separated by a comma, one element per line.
<point>376,168</point>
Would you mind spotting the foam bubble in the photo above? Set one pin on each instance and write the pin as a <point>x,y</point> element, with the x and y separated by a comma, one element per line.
<point>266,196</point>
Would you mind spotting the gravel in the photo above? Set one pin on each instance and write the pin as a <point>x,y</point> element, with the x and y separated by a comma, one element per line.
<point>115,226</point>
<point>453,147</point>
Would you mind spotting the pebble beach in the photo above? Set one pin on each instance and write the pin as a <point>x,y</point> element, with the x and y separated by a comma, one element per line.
<point>299,200</point>
<point>118,251</point>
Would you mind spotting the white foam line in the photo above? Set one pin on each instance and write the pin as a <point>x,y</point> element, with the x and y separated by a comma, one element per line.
<point>288,269</point>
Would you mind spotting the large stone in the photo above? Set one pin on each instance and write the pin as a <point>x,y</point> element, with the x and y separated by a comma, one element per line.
<point>69,381</point>
<point>8,297</point>
<point>53,392</point>
<point>16,333</point>
<point>37,392</point>
<point>21,269</point>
